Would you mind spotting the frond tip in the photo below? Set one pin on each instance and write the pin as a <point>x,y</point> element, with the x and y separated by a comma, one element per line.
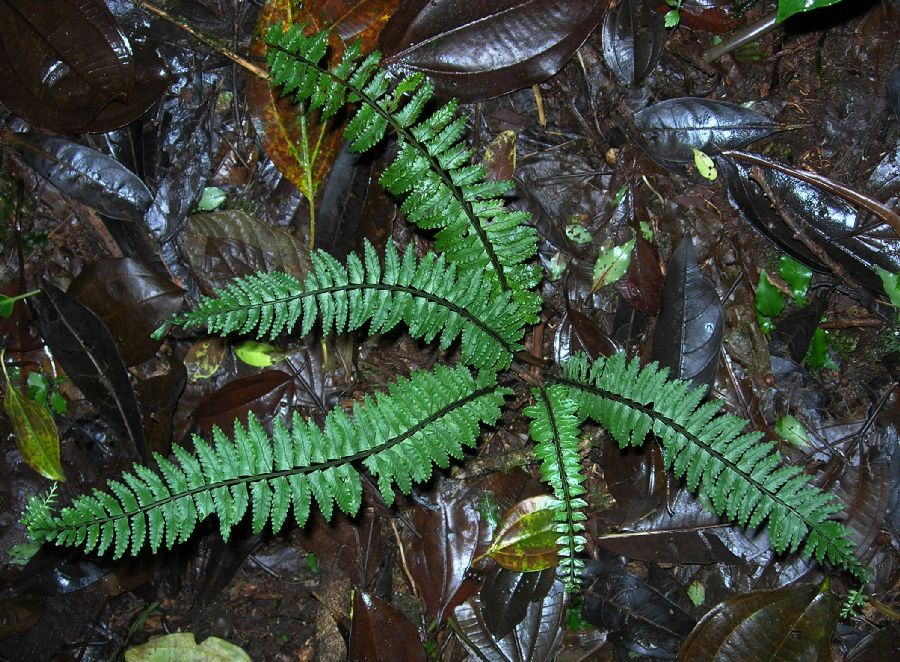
<point>441,190</point>
<point>424,420</point>
<point>554,429</point>
<point>428,295</point>
<point>743,476</point>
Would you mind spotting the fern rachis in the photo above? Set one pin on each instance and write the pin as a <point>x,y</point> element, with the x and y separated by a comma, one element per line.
<point>478,294</point>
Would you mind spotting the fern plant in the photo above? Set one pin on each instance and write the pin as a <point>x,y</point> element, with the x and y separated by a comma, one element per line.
<point>478,292</point>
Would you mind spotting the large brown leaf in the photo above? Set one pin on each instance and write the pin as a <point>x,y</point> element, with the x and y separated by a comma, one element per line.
<point>219,246</point>
<point>87,352</point>
<point>65,66</point>
<point>131,299</point>
<point>382,632</point>
<point>480,50</point>
<point>791,623</point>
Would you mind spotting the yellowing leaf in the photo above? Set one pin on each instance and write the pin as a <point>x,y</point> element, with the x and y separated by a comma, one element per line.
<point>612,264</point>
<point>705,165</point>
<point>256,354</point>
<point>526,539</point>
<point>204,358</point>
<point>181,647</point>
<point>36,433</point>
<point>500,156</point>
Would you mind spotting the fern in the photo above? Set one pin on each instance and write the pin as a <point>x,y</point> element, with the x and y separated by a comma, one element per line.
<point>427,296</point>
<point>423,420</point>
<point>554,429</point>
<point>478,292</point>
<point>742,476</point>
<point>431,173</point>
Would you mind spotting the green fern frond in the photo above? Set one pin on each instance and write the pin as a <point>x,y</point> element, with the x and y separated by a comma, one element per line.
<point>431,172</point>
<point>428,296</point>
<point>554,429</point>
<point>743,476</point>
<point>423,420</point>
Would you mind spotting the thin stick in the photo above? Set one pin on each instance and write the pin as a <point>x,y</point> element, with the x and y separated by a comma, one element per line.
<point>209,41</point>
<point>756,174</point>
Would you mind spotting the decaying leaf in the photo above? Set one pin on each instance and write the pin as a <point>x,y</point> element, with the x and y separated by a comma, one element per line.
<point>36,433</point>
<point>525,540</point>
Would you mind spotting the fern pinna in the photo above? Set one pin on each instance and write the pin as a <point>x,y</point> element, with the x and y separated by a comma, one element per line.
<point>440,189</point>
<point>423,420</point>
<point>478,293</point>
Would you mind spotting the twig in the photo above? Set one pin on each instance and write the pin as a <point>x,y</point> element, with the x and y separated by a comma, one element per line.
<point>539,100</point>
<point>256,70</point>
<point>756,174</point>
<point>742,37</point>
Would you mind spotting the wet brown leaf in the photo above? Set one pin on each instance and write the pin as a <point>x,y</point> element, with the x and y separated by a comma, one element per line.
<point>790,623</point>
<point>382,632</point>
<point>478,50</point>
<point>258,393</point>
<point>132,300</point>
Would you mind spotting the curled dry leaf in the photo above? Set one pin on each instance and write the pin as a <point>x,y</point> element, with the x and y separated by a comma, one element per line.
<point>480,50</point>
<point>791,623</point>
<point>89,176</point>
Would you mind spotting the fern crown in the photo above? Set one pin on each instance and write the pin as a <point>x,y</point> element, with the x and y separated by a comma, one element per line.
<point>478,293</point>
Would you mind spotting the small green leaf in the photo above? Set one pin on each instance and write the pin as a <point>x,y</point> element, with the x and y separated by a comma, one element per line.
<point>58,403</point>
<point>619,196</point>
<point>704,163</point>
<point>578,234</point>
<point>796,275</point>
<point>312,562</point>
<point>257,354</point>
<point>891,284</point>
<point>212,199</point>
<point>817,355</point>
<point>697,593</point>
<point>6,305</point>
<point>611,264</point>
<point>36,433</point>
<point>672,18</point>
<point>557,265</point>
<point>769,303</point>
<point>787,8</point>
<point>646,231</point>
<point>21,554</point>
<point>181,647</point>
<point>790,429</point>
<point>526,539</point>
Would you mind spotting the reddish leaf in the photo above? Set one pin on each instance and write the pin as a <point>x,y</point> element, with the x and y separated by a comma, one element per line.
<point>479,50</point>
<point>382,632</point>
<point>642,285</point>
<point>258,393</point>
<point>277,119</point>
<point>131,299</point>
